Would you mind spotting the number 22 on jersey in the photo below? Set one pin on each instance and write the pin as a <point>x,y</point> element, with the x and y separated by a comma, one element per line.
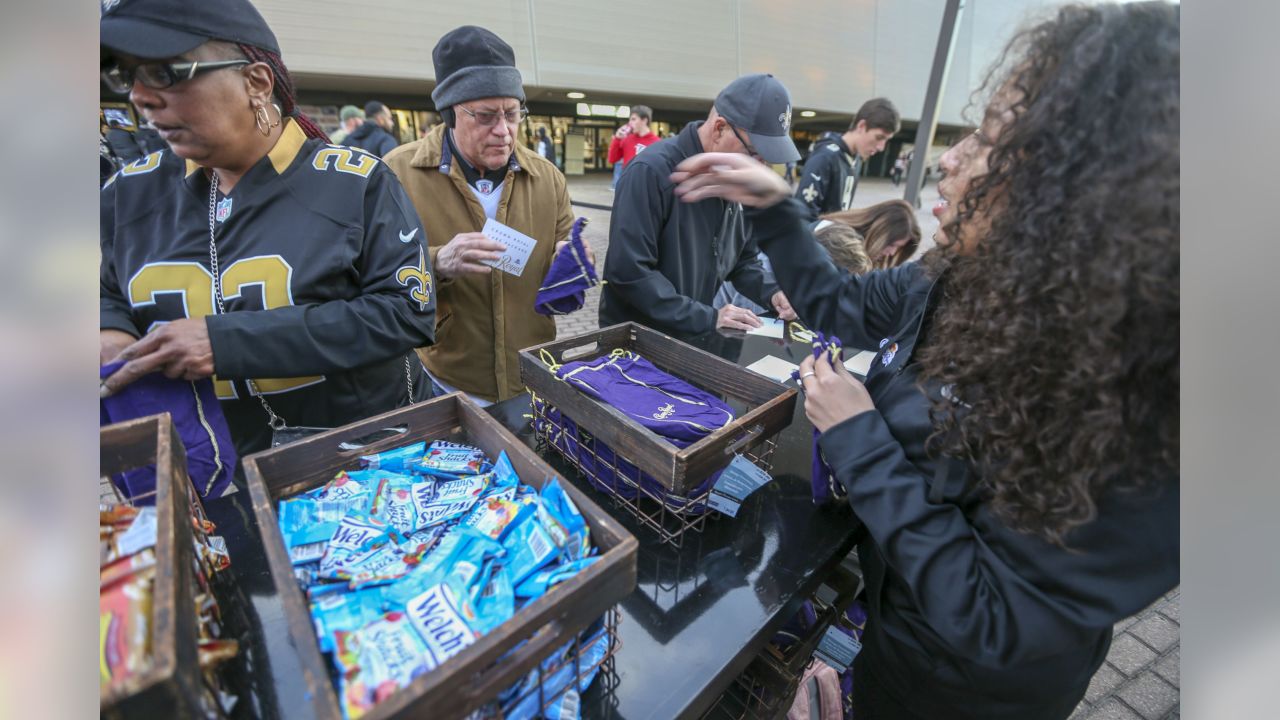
<point>194,283</point>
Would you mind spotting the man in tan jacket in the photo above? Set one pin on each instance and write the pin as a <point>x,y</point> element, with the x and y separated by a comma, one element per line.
<point>465,171</point>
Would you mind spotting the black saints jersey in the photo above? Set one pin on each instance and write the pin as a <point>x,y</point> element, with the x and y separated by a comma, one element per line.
<point>326,284</point>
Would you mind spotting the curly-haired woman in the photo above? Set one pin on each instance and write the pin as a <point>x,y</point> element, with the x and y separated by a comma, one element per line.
<point>1013,452</point>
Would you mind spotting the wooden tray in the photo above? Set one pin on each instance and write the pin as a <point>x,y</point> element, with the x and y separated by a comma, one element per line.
<point>172,687</point>
<point>770,404</point>
<point>474,676</point>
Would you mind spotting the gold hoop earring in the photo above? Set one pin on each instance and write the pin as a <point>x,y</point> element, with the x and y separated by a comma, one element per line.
<point>262,119</point>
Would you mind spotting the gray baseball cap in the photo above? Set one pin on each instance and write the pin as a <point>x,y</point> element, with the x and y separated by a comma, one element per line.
<point>761,105</point>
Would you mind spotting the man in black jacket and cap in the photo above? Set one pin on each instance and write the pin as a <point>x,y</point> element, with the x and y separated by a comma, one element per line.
<point>667,258</point>
<point>374,134</point>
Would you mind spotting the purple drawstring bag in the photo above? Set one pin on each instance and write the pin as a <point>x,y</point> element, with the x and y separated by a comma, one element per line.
<point>672,408</point>
<point>565,288</point>
<point>667,405</point>
<point>822,482</point>
<point>197,416</point>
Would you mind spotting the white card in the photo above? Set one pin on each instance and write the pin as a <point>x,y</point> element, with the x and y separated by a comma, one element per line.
<point>774,368</point>
<point>519,247</point>
<point>860,363</point>
<point>771,327</point>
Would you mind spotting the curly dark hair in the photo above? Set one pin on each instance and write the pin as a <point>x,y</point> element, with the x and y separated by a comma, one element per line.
<point>1058,332</point>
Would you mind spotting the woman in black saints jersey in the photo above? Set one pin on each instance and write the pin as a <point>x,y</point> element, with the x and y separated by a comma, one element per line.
<point>1013,452</point>
<point>252,251</point>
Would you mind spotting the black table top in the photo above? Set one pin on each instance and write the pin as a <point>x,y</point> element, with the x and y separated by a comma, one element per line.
<point>698,614</point>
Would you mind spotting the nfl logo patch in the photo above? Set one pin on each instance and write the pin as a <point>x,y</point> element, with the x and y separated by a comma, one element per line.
<point>484,186</point>
<point>224,209</point>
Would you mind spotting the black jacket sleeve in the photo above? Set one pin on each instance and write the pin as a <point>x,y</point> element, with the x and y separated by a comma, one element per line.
<point>641,207</point>
<point>394,312</point>
<point>970,588</point>
<point>816,180</point>
<point>749,276</point>
<point>858,309</point>
<point>114,311</point>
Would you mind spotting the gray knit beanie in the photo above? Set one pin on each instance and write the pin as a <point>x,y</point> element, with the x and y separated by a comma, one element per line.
<point>473,63</point>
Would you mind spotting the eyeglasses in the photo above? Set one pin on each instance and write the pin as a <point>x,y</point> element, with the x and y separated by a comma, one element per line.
<point>750,150</point>
<point>160,75</point>
<point>488,118</point>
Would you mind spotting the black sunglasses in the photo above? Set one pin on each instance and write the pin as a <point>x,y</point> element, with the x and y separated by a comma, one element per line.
<point>160,75</point>
<point>750,150</point>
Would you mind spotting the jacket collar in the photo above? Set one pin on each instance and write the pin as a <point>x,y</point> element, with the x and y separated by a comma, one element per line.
<point>281,156</point>
<point>430,153</point>
<point>688,140</point>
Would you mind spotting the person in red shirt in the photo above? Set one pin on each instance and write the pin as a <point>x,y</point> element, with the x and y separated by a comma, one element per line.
<point>631,139</point>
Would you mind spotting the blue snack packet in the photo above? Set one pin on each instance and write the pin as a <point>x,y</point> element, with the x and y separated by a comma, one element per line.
<point>559,683</point>
<point>537,584</point>
<point>528,546</point>
<point>357,538</point>
<point>376,660</point>
<point>396,460</point>
<point>304,519</point>
<point>443,619</point>
<point>555,503</point>
<point>504,472</point>
<point>345,612</point>
<point>494,513</point>
<point>411,504</point>
<point>496,603</point>
<point>451,460</point>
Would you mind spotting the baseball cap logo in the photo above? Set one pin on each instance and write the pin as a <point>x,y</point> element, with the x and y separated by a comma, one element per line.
<point>785,119</point>
<point>109,5</point>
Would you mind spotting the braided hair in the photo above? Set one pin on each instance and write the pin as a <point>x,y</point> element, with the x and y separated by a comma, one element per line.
<point>283,89</point>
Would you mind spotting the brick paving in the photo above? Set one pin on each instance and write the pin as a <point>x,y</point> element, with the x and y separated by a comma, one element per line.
<point>1139,680</point>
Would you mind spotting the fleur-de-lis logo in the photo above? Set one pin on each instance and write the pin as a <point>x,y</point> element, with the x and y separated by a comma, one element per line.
<point>785,119</point>
<point>665,412</point>
<point>417,279</point>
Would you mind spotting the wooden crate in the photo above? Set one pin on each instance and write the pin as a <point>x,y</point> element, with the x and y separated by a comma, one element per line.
<point>173,685</point>
<point>770,404</point>
<point>475,675</point>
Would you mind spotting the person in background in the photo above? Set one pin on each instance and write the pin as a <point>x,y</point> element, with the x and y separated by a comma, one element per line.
<point>899,169</point>
<point>844,245</point>
<point>350,117</point>
<point>289,270</point>
<point>467,171</point>
<point>122,144</point>
<point>879,237</point>
<point>667,259</point>
<point>631,139</point>
<point>1013,452</point>
<point>374,134</point>
<point>889,231</point>
<point>830,175</point>
<point>544,147</point>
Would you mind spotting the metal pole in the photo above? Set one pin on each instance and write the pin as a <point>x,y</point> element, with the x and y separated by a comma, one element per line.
<point>933,99</point>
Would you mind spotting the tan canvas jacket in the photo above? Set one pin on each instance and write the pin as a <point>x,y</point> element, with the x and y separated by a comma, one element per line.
<point>482,321</point>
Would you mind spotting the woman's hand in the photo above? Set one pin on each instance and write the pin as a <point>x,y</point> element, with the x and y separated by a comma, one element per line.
<point>111,342</point>
<point>731,176</point>
<point>179,349</point>
<point>831,395</point>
